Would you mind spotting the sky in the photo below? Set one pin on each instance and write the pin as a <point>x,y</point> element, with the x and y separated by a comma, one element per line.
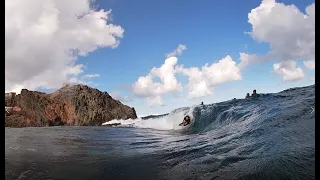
<point>157,56</point>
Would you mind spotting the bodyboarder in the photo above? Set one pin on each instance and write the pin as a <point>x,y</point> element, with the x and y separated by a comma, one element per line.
<point>186,121</point>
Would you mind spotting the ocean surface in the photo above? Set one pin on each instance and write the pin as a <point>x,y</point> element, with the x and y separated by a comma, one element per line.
<point>269,137</point>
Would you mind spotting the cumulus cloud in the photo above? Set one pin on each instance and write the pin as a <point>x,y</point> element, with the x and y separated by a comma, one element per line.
<point>288,71</point>
<point>177,52</point>
<point>147,87</point>
<point>248,59</point>
<point>309,64</point>
<point>154,100</point>
<point>84,79</point>
<point>44,38</point>
<point>90,76</point>
<point>202,81</point>
<point>289,32</point>
<point>116,95</point>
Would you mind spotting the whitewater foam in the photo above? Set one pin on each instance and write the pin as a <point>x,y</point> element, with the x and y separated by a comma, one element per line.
<point>168,122</point>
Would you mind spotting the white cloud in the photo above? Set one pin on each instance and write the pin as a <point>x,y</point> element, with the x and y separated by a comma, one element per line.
<point>90,76</point>
<point>146,87</point>
<point>288,71</point>
<point>155,100</point>
<point>289,32</point>
<point>201,82</point>
<point>116,95</point>
<point>44,38</point>
<point>177,52</point>
<point>309,64</point>
<point>247,59</point>
<point>16,88</point>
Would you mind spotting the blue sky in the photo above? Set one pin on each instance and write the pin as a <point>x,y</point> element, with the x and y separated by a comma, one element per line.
<point>210,30</point>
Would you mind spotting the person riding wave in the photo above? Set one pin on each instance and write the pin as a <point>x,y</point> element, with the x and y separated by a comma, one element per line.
<point>185,121</point>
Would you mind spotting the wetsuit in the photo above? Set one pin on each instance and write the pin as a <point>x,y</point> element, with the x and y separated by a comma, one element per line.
<point>185,121</point>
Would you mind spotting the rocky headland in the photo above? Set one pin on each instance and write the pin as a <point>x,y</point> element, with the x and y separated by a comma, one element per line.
<point>77,105</point>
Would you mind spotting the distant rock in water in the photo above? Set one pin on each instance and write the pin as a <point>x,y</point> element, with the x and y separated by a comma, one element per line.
<point>77,105</point>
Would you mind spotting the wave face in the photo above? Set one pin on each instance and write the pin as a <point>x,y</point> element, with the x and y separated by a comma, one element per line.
<point>268,110</point>
<point>266,137</point>
<point>283,109</point>
<point>269,137</point>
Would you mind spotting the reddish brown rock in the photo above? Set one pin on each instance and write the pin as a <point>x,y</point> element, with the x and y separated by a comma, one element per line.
<point>77,105</point>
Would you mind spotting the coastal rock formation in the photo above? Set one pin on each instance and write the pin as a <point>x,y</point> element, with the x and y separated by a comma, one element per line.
<point>77,105</point>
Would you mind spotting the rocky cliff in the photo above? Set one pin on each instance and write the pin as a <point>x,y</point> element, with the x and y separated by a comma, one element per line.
<point>77,105</point>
